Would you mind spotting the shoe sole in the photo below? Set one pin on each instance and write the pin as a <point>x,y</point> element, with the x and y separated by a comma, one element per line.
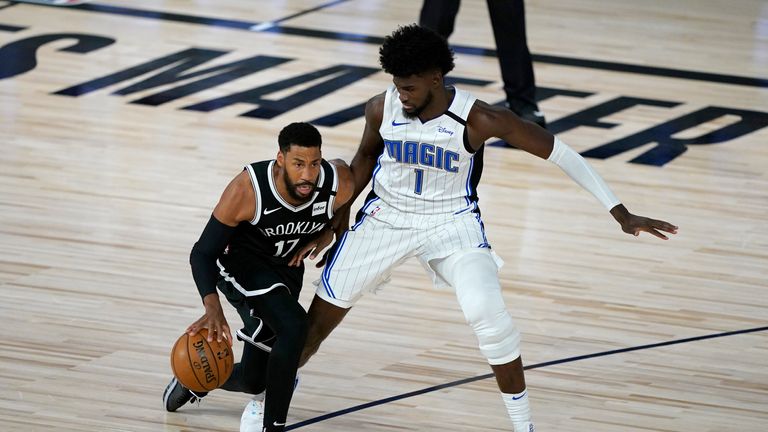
<point>167,393</point>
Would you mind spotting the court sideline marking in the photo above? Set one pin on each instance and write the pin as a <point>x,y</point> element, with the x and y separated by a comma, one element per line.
<point>529,367</point>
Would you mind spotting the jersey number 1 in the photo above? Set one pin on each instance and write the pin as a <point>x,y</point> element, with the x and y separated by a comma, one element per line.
<point>281,244</point>
<point>419,180</point>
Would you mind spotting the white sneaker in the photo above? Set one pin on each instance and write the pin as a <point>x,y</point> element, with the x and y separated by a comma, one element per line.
<point>252,419</point>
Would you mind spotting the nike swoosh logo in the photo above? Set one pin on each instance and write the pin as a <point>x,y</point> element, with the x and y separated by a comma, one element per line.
<point>266,212</point>
<point>398,124</point>
<point>520,397</point>
<point>278,424</point>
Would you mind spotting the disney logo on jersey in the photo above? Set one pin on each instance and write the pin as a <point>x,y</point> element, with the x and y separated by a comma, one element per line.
<point>292,228</point>
<point>412,152</point>
<point>441,129</point>
<point>319,208</point>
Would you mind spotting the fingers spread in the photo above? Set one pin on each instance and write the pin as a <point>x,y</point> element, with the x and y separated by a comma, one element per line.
<point>662,225</point>
<point>299,256</point>
<point>657,234</point>
<point>667,227</point>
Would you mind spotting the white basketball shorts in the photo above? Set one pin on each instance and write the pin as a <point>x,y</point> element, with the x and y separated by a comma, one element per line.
<point>383,238</point>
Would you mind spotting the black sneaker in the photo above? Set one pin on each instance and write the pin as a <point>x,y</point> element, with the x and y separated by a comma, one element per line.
<point>176,395</point>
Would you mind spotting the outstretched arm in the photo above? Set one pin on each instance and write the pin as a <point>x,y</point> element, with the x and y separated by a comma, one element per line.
<point>364,161</point>
<point>371,146</point>
<point>237,204</point>
<point>359,174</point>
<point>487,121</point>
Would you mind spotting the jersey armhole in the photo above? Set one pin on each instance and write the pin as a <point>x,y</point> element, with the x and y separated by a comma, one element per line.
<point>465,134</point>
<point>334,189</point>
<point>256,192</point>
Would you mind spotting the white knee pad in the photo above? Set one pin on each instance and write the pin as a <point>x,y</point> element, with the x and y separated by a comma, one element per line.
<point>474,276</point>
<point>498,337</point>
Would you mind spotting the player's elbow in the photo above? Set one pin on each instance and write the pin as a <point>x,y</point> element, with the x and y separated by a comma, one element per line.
<point>198,255</point>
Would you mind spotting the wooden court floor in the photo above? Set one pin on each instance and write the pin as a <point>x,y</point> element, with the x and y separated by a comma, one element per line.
<point>122,121</point>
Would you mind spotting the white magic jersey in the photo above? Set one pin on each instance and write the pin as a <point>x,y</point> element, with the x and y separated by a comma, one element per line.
<point>426,168</point>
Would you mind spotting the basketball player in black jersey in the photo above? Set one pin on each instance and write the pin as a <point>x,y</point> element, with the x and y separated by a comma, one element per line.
<point>266,213</point>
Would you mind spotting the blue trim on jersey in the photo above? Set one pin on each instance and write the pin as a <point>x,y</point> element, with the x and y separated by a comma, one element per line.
<point>327,270</point>
<point>472,207</point>
<point>485,243</point>
<point>469,178</point>
<point>376,170</point>
<point>364,212</point>
<point>357,224</point>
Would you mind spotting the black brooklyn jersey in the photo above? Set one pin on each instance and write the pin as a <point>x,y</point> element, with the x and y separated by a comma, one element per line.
<point>278,229</point>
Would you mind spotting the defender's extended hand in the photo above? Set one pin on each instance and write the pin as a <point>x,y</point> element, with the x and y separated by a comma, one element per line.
<point>313,248</point>
<point>633,224</point>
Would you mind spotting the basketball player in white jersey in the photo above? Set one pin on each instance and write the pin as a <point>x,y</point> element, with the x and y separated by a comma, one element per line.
<point>422,147</point>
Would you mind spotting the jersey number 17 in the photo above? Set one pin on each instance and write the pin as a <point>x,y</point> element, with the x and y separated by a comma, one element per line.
<point>281,245</point>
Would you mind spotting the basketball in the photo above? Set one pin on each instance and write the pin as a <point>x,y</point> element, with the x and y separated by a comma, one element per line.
<point>200,365</point>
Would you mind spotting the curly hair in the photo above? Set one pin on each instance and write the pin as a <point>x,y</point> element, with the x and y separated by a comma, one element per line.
<point>300,134</point>
<point>412,50</point>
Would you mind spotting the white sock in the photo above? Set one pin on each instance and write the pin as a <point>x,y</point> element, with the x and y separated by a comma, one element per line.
<point>519,410</point>
<point>259,397</point>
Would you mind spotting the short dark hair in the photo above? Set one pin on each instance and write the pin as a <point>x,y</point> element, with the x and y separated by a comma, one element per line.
<point>300,134</point>
<point>413,50</point>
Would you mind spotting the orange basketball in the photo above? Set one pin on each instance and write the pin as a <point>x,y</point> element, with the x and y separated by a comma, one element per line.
<point>200,365</point>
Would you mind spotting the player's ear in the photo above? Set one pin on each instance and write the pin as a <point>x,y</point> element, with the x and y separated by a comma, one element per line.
<point>437,78</point>
<point>280,158</point>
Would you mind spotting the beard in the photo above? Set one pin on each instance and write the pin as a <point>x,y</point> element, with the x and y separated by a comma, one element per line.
<point>410,115</point>
<point>292,188</point>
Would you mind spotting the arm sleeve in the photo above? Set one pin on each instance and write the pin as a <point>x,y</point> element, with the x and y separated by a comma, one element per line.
<point>206,251</point>
<point>582,173</point>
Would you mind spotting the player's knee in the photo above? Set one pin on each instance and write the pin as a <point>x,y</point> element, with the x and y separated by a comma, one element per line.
<point>497,335</point>
<point>499,339</point>
<point>315,336</point>
<point>481,305</point>
<point>290,343</point>
<point>479,294</point>
<point>293,327</point>
<point>322,317</point>
<point>308,351</point>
